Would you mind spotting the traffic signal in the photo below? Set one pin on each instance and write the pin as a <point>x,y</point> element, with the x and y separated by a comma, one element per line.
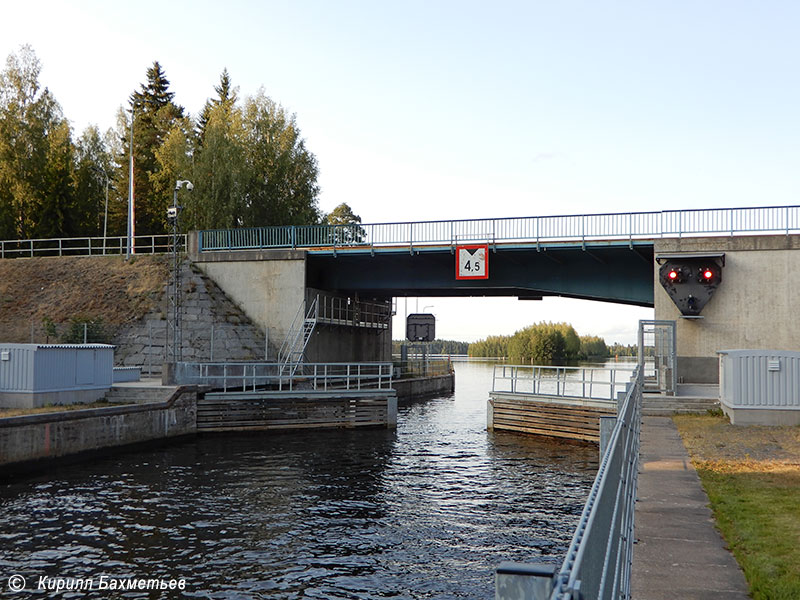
<point>675,275</point>
<point>708,275</point>
<point>690,279</point>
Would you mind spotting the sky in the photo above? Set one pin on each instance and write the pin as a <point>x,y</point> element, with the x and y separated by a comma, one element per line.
<point>428,110</point>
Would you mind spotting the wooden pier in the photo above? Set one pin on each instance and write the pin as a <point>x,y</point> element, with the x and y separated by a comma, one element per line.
<point>562,402</point>
<point>553,417</point>
<point>261,410</point>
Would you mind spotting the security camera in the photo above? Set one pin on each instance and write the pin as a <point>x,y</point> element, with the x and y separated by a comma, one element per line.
<point>172,212</point>
<point>189,186</point>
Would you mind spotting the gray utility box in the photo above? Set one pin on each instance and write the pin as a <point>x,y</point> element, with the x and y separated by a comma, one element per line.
<point>33,375</point>
<point>760,387</point>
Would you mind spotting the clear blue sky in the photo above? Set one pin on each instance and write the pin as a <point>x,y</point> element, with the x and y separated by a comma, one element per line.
<point>454,109</point>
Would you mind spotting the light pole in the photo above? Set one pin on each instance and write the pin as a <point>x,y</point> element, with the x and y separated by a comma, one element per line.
<point>102,171</point>
<point>173,212</point>
<point>105,217</point>
<point>129,249</point>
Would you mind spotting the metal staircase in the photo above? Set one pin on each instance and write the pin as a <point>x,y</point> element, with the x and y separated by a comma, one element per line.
<point>292,352</point>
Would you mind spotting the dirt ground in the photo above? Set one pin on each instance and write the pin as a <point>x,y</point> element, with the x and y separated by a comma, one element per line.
<point>713,438</point>
<point>60,288</point>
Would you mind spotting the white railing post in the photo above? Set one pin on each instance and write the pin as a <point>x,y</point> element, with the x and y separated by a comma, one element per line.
<point>583,382</point>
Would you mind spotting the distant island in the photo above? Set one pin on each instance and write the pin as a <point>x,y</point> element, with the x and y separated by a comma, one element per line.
<point>542,343</point>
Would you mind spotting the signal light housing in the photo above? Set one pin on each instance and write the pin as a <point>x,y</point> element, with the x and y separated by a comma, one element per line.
<point>690,279</point>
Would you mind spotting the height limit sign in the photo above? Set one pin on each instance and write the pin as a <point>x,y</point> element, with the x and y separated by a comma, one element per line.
<point>472,262</point>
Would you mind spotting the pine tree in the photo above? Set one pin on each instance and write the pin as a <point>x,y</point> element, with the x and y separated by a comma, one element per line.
<point>226,97</point>
<point>154,117</point>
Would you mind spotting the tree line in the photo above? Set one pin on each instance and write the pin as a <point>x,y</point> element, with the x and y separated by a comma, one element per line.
<point>541,343</point>
<point>246,158</point>
<point>547,344</point>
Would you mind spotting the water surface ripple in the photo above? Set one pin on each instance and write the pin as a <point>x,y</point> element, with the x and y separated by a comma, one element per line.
<point>426,511</point>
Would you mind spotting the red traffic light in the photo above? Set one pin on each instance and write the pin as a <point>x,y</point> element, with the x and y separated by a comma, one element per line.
<point>675,275</point>
<point>707,275</point>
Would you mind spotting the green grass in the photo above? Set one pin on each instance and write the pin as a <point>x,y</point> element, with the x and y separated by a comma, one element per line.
<point>752,478</point>
<point>758,514</point>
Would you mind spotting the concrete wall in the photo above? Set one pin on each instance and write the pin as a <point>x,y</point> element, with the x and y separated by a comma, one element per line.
<point>43,436</point>
<point>349,344</point>
<point>268,285</point>
<point>755,306</point>
<point>421,387</point>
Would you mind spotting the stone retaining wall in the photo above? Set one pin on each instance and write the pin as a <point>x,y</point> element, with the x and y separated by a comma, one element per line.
<point>204,307</point>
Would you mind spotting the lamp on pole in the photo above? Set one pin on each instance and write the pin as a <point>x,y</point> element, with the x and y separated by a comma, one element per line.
<point>173,212</point>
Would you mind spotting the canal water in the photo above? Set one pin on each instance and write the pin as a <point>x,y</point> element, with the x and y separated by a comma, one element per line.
<point>426,511</point>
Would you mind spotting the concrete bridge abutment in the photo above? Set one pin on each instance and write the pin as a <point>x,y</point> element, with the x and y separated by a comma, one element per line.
<point>270,285</point>
<point>755,306</point>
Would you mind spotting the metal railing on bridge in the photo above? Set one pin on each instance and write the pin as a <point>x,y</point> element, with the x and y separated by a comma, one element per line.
<point>536,230</point>
<point>410,235</point>
<point>253,376</point>
<point>598,562</point>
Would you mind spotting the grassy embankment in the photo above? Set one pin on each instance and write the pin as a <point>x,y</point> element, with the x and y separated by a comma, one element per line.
<point>752,478</point>
<point>110,289</point>
<point>115,291</point>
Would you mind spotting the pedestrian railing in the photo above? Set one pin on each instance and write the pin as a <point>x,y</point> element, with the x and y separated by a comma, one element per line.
<point>345,310</point>
<point>598,562</point>
<point>581,228</point>
<point>253,376</point>
<point>595,383</point>
<point>410,235</point>
<point>86,246</point>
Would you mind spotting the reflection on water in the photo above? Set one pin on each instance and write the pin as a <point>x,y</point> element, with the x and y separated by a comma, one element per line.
<point>427,511</point>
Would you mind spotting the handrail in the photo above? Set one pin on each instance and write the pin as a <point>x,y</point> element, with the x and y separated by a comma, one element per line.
<point>255,376</point>
<point>345,310</point>
<point>598,562</point>
<point>532,229</point>
<point>86,246</point>
<point>595,383</point>
<point>294,337</point>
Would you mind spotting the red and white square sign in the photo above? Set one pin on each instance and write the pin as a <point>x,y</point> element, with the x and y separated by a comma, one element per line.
<point>472,261</point>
